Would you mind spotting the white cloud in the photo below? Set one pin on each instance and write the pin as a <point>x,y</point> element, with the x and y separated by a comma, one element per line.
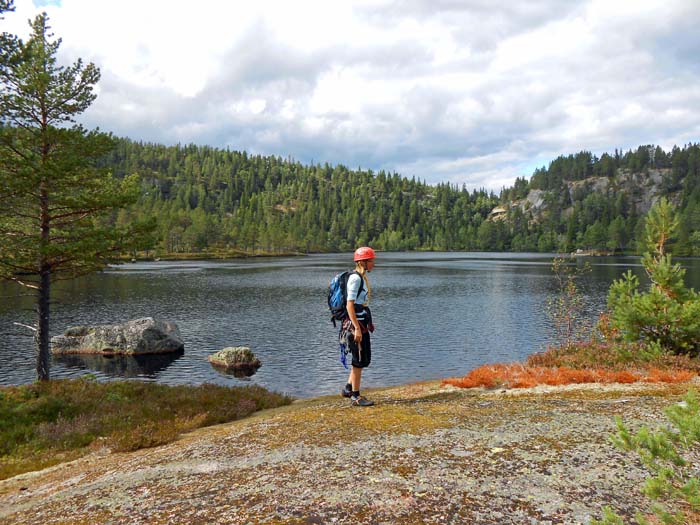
<point>467,92</point>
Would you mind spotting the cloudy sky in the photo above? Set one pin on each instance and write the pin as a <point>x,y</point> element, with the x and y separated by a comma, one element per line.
<point>443,90</point>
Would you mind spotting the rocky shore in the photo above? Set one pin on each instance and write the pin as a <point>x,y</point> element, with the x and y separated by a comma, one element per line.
<point>426,453</point>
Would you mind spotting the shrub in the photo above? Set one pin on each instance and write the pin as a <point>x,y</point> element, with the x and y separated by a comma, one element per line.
<point>566,308</point>
<point>670,454</point>
<point>613,355</point>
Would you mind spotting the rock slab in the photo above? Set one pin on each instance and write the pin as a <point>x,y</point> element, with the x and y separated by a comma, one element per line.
<point>136,337</point>
<point>424,454</point>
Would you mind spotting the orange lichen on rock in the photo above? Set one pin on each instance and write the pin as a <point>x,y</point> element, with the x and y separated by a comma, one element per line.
<point>515,375</point>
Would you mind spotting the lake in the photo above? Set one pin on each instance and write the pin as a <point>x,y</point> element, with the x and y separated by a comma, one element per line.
<point>437,315</point>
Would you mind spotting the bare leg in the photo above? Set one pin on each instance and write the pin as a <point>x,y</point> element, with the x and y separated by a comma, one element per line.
<point>355,378</point>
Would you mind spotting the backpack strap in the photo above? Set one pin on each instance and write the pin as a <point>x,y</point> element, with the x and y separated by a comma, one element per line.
<point>362,283</point>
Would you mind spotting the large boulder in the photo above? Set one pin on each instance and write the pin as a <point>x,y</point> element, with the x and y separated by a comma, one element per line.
<point>240,360</point>
<point>140,336</point>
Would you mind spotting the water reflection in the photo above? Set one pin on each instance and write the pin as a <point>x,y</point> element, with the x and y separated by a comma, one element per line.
<point>123,366</point>
<point>237,373</point>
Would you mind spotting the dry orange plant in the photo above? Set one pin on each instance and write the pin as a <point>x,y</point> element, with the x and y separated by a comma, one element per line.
<point>515,375</point>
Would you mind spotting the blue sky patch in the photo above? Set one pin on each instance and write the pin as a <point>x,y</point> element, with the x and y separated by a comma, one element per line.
<point>44,3</point>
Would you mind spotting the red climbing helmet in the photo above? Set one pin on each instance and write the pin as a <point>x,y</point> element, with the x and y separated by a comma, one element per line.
<point>364,253</point>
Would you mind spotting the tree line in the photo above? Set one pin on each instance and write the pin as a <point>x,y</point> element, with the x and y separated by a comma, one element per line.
<point>206,199</point>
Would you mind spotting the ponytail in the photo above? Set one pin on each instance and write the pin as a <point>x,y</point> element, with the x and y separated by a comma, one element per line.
<point>362,270</point>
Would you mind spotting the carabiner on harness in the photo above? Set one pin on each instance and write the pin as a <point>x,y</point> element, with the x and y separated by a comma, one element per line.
<point>344,341</point>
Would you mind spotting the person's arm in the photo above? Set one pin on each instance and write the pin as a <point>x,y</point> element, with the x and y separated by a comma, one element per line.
<point>350,305</point>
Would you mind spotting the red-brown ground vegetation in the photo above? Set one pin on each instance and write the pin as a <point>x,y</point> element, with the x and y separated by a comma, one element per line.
<point>516,375</point>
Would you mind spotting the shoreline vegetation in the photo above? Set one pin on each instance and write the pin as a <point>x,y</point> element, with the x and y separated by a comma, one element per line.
<point>243,254</point>
<point>51,422</point>
<point>583,362</point>
<point>205,255</point>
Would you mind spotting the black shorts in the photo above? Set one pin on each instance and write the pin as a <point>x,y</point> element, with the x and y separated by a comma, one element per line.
<point>362,356</point>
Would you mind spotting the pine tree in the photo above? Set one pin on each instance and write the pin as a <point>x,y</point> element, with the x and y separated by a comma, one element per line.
<point>51,194</point>
<point>668,314</point>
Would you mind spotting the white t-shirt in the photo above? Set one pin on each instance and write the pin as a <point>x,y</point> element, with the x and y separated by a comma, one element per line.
<point>354,287</point>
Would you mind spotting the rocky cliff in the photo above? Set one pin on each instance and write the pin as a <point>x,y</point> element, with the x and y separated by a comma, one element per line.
<point>641,190</point>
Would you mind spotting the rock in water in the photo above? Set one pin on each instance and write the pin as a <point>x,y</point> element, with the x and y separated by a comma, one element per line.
<point>140,336</point>
<point>238,359</point>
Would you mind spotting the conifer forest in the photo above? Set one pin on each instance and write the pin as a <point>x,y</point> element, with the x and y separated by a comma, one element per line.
<point>207,200</point>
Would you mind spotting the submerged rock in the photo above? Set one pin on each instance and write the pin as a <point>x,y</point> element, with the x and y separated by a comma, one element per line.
<point>140,336</point>
<point>237,359</point>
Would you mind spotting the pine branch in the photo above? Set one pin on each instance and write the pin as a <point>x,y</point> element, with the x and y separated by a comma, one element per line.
<point>82,214</point>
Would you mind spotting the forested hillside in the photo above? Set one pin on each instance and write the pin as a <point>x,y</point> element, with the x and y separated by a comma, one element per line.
<point>214,200</point>
<point>584,202</point>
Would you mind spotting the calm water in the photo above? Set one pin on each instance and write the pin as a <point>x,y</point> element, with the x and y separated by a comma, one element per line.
<point>437,315</point>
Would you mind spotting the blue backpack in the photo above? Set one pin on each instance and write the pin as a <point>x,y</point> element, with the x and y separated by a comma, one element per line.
<point>338,296</point>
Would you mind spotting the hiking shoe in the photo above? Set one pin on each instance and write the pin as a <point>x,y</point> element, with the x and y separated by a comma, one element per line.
<point>346,392</point>
<point>361,402</point>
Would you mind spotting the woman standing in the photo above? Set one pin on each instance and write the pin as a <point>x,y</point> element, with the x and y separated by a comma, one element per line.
<point>358,325</point>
